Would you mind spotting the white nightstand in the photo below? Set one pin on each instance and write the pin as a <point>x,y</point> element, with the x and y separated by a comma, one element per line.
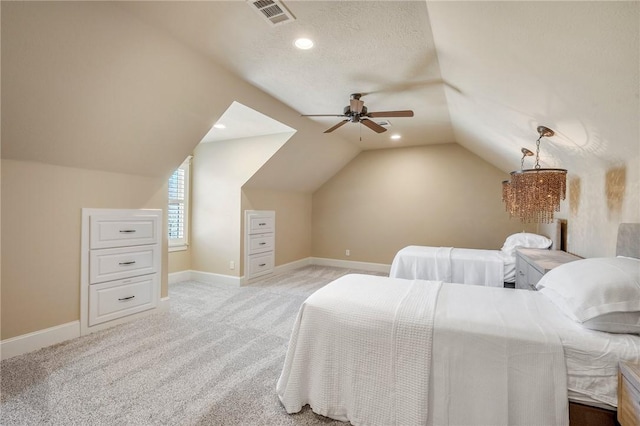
<point>532,264</point>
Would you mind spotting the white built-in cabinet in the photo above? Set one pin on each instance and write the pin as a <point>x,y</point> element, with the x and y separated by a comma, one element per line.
<point>120,266</point>
<point>259,247</point>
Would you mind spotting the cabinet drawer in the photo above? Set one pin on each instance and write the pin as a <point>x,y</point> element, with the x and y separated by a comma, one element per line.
<point>260,264</point>
<point>117,263</point>
<point>116,299</point>
<point>261,223</point>
<point>260,243</point>
<point>114,231</point>
<point>628,404</point>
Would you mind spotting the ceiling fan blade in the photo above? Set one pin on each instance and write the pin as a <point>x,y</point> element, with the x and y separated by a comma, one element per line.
<point>373,125</point>
<point>356,105</point>
<point>403,113</point>
<point>336,126</point>
<point>322,115</point>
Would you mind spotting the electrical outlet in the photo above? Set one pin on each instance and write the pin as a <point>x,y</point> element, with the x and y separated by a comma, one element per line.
<point>347,252</point>
<point>232,264</point>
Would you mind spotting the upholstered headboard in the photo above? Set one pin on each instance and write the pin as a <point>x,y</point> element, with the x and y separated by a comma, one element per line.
<point>628,243</point>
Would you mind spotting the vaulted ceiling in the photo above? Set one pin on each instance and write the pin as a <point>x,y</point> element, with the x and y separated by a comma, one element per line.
<point>483,74</point>
<point>106,85</point>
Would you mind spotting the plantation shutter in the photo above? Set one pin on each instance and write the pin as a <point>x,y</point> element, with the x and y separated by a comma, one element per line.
<point>177,209</point>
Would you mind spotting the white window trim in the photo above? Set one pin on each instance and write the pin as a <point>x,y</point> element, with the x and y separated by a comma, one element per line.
<point>183,244</point>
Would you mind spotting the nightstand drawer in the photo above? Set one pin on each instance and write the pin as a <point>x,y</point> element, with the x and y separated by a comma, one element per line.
<point>124,297</point>
<point>533,276</point>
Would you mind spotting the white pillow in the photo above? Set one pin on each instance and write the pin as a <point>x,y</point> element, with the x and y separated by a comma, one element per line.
<point>524,239</point>
<point>615,322</point>
<point>601,293</point>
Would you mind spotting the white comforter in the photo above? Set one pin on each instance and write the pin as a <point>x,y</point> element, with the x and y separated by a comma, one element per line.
<point>361,351</point>
<point>454,265</point>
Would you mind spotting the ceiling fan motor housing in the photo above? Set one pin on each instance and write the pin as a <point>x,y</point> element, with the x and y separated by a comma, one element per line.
<point>354,116</point>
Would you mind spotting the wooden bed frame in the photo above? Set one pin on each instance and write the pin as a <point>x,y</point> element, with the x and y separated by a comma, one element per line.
<point>628,244</point>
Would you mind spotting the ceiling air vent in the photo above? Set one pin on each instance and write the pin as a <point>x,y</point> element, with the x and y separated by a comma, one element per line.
<point>385,123</point>
<point>272,10</point>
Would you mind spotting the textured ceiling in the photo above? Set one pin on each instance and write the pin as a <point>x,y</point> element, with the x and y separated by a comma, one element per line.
<point>382,49</point>
<point>83,82</point>
<point>483,74</point>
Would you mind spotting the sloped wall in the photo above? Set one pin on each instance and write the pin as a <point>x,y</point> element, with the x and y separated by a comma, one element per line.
<point>41,216</point>
<point>219,171</point>
<point>91,89</point>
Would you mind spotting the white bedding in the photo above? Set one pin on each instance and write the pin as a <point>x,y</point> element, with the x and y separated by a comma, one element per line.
<point>454,265</point>
<point>347,360</point>
<point>592,359</point>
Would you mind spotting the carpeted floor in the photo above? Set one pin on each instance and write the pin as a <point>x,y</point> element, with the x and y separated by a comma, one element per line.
<point>213,359</point>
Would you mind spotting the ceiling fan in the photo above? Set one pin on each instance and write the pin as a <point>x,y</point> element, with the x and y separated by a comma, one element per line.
<point>356,112</point>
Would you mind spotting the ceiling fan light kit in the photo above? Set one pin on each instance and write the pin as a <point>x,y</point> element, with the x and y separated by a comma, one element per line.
<point>534,195</point>
<point>356,112</point>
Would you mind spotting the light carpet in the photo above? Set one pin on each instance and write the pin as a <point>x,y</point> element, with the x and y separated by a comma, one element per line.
<point>213,359</point>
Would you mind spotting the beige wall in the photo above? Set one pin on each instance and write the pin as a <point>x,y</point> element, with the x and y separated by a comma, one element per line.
<point>219,171</point>
<point>41,233</point>
<point>600,197</point>
<point>383,200</point>
<point>293,220</point>
<point>179,261</point>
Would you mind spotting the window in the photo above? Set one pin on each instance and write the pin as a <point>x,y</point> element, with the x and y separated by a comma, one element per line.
<point>178,211</point>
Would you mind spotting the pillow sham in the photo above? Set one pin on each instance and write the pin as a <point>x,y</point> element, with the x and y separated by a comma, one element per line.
<point>615,322</point>
<point>600,293</point>
<point>525,239</point>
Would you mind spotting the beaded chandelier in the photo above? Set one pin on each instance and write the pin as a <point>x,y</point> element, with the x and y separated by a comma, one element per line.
<point>508,194</point>
<point>533,195</point>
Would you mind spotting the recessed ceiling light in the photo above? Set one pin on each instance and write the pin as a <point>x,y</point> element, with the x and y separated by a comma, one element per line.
<point>219,126</point>
<point>395,137</point>
<point>303,43</point>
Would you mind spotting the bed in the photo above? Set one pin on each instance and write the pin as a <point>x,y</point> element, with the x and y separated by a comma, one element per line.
<point>379,350</point>
<point>463,265</point>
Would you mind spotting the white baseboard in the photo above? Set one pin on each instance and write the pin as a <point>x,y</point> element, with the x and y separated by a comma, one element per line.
<point>164,304</point>
<point>39,339</point>
<point>351,264</point>
<point>176,277</point>
<point>281,269</point>
<point>211,278</point>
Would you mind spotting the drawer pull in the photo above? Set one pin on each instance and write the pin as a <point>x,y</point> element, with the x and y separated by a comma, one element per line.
<point>131,262</point>
<point>127,231</point>
<point>262,264</point>
<point>126,298</point>
<point>261,244</point>
<point>261,224</point>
